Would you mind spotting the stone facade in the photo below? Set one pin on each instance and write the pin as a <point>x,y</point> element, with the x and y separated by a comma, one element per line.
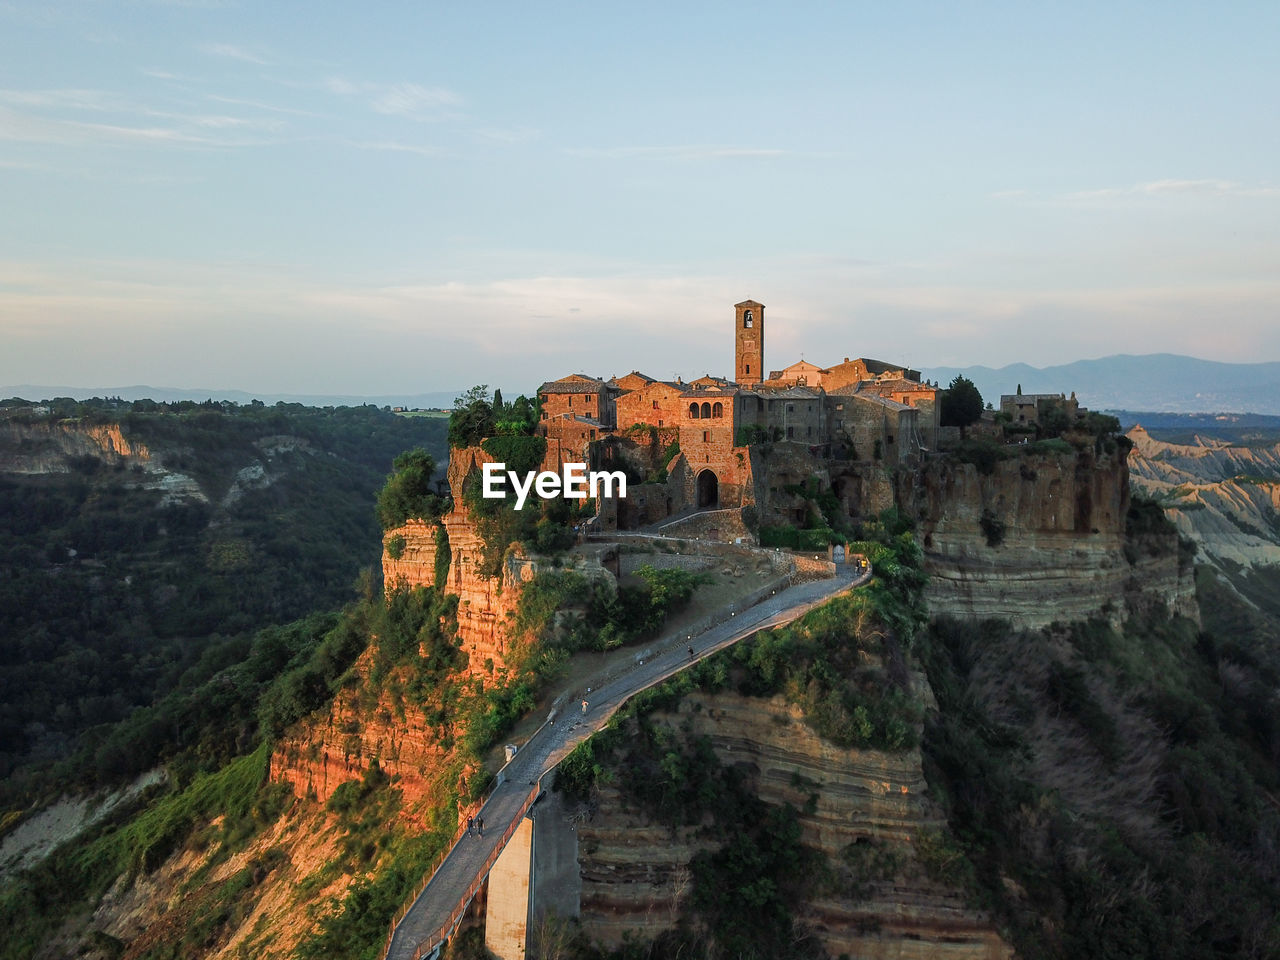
<point>748,342</point>
<point>864,410</point>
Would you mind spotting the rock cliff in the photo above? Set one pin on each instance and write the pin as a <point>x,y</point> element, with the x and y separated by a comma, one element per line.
<point>1040,538</point>
<point>49,446</point>
<point>409,554</point>
<point>1226,498</point>
<point>635,873</point>
<point>363,725</point>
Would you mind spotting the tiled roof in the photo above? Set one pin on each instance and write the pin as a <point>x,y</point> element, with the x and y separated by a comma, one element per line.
<point>1029,398</point>
<point>588,385</point>
<point>878,401</point>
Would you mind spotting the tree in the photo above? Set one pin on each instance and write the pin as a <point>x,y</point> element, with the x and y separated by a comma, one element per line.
<point>961,404</point>
<point>472,420</point>
<point>408,491</point>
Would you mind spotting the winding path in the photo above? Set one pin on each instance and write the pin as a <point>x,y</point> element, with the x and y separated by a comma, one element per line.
<point>439,906</point>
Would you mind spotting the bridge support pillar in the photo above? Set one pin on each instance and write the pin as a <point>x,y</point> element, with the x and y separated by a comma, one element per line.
<point>506,930</point>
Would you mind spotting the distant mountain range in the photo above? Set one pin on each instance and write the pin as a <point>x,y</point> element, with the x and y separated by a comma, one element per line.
<point>1158,382</point>
<point>440,399</point>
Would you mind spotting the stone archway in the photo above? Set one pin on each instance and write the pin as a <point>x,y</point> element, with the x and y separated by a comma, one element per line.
<point>708,490</point>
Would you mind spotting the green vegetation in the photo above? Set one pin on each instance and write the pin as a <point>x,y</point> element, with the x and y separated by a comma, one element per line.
<point>543,526</point>
<point>1109,794</point>
<point>960,404</point>
<point>825,521</point>
<point>476,418</point>
<point>114,595</point>
<point>598,617</point>
<point>408,493</point>
<point>34,904</point>
<point>845,665</point>
<point>743,890</point>
<point>753,433</point>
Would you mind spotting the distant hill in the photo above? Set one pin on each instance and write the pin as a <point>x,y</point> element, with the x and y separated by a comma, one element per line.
<point>1158,382</point>
<point>424,401</point>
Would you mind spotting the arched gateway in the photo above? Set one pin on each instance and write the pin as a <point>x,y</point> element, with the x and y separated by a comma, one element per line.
<point>708,490</point>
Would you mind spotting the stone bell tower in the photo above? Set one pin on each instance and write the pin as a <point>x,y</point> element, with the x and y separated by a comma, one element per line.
<point>748,342</point>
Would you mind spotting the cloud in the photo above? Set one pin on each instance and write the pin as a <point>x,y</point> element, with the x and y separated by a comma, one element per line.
<point>394,147</point>
<point>507,134</point>
<point>1171,187</point>
<point>396,99</point>
<point>70,99</point>
<point>258,105</point>
<point>75,116</point>
<point>410,99</point>
<point>235,53</point>
<point>678,152</point>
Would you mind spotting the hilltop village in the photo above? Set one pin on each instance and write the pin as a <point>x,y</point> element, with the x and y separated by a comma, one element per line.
<point>854,411</point>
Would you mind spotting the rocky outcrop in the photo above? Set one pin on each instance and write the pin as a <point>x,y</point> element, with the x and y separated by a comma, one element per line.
<point>1039,539</point>
<point>358,729</point>
<point>409,554</point>
<point>635,873</point>
<point>47,446</point>
<point>1225,498</point>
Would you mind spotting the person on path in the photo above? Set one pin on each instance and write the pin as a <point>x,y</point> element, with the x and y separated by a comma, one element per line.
<point>584,706</point>
<point>691,656</point>
<point>470,823</point>
<point>480,825</point>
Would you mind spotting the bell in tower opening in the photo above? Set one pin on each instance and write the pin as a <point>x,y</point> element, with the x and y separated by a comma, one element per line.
<point>748,342</point>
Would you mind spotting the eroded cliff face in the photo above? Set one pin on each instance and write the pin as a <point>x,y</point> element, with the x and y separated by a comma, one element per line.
<point>47,447</point>
<point>359,728</point>
<point>635,873</point>
<point>1226,498</point>
<point>1039,539</point>
<point>414,563</point>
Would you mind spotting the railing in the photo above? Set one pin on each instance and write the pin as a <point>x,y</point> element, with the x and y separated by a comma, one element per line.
<point>441,933</point>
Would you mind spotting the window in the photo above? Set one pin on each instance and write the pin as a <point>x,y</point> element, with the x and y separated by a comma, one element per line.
<point>791,432</point>
<point>747,319</point>
<point>659,423</point>
<point>791,408</point>
<point>718,410</point>
<point>693,411</point>
<point>655,404</point>
<point>839,406</point>
<point>706,411</point>
<point>706,436</point>
<point>747,368</point>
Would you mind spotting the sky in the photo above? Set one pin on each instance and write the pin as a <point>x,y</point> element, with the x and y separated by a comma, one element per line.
<point>379,198</point>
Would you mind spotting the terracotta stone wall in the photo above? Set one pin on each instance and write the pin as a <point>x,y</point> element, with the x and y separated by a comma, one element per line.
<point>416,564</point>
<point>656,405</point>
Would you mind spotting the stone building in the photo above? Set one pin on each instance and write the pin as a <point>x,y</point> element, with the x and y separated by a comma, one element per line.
<point>581,396</point>
<point>874,427</point>
<point>865,410</point>
<point>1025,408</point>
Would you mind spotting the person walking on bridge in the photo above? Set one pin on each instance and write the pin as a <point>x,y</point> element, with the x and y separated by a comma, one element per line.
<point>584,707</point>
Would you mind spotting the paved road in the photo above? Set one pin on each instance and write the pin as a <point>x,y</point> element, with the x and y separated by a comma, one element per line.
<point>470,858</point>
